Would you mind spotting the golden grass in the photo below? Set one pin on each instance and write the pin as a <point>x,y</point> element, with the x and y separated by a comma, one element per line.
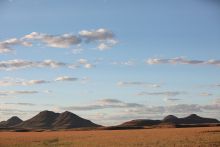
<point>166,137</point>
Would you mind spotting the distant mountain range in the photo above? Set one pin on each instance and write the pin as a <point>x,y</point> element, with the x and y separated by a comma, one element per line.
<point>172,120</point>
<point>50,120</point>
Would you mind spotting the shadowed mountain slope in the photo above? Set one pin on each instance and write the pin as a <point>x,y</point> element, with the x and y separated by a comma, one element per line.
<point>171,119</point>
<point>52,120</point>
<point>195,119</point>
<point>11,122</point>
<point>69,120</point>
<point>141,122</point>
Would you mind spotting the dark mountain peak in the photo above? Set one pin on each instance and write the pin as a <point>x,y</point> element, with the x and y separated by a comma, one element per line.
<point>51,120</point>
<point>42,120</point>
<point>14,120</point>
<point>68,113</point>
<point>195,119</point>
<point>70,120</point>
<point>46,115</point>
<point>193,116</point>
<point>170,117</point>
<point>46,112</point>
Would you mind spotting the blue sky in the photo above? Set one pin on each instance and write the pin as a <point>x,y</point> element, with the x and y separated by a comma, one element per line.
<point>110,61</point>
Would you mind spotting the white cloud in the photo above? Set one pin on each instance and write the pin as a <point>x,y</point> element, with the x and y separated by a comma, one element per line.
<point>85,63</point>
<point>82,61</point>
<point>99,34</point>
<point>182,60</point>
<point>5,46</point>
<point>88,65</point>
<point>17,92</point>
<point>137,83</point>
<point>103,46</point>
<point>57,41</point>
<point>66,78</point>
<point>125,63</point>
<point>21,64</point>
<point>103,104</point>
<point>107,45</point>
<point>164,93</point>
<point>103,37</point>
<point>19,82</point>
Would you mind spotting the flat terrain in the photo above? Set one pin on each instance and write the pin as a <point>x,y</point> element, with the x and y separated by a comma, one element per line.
<point>164,137</point>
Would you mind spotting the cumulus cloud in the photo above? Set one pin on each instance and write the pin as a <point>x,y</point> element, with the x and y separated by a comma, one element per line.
<point>164,93</point>
<point>103,37</point>
<point>97,35</point>
<point>103,104</point>
<point>107,45</point>
<point>124,63</point>
<point>66,78</point>
<point>85,63</point>
<point>16,64</point>
<point>20,82</point>
<point>17,92</point>
<point>182,60</point>
<point>6,46</point>
<point>57,41</point>
<point>137,83</point>
<point>21,64</point>
<point>175,109</point>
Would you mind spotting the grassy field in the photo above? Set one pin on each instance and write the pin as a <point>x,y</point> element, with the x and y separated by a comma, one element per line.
<point>165,137</point>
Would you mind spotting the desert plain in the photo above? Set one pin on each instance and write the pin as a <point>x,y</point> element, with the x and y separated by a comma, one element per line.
<point>157,137</point>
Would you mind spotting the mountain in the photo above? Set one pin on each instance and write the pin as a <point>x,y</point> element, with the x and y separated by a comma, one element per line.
<point>172,120</point>
<point>141,122</point>
<point>195,119</point>
<point>43,120</point>
<point>11,122</point>
<point>52,120</point>
<point>69,120</point>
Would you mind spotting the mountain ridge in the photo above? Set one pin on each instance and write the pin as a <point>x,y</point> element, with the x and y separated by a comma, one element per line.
<point>49,120</point>
<point>171,119</point>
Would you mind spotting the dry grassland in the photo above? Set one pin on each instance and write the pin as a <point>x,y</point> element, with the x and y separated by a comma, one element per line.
<point>165,137</point>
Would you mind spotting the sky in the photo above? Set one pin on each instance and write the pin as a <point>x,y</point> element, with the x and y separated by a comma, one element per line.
<point>110,61</point>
